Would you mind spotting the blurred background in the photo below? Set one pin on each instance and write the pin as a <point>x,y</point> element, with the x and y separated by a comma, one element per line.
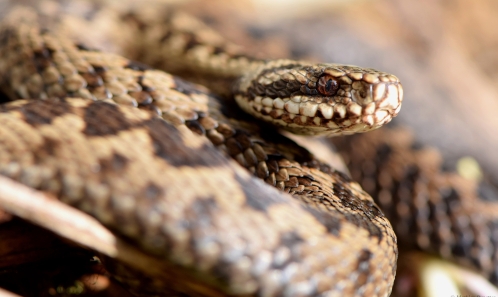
<point>445,52</point>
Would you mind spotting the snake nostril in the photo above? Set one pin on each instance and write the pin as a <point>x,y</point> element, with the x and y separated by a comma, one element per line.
<point>327,85</point>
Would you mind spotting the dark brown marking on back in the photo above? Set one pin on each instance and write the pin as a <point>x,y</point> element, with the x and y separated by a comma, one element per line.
<point>186,87</point>
<point>40,112</point>
<point>169,146</point>
<point>331,223</point>
<point>116,163</point>
<point>363,267</point>
<point>365,256</point>
<point>102,118</point>
<point>363,213</point>
<point>49,148</point>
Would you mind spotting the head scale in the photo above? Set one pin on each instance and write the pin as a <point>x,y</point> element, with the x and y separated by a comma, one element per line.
<point>320,99</point>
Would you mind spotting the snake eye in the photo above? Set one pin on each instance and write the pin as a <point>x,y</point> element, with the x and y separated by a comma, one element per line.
<point>327,85</point>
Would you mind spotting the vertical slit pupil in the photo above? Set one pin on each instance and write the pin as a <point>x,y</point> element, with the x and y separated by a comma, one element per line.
<point>329,86</point>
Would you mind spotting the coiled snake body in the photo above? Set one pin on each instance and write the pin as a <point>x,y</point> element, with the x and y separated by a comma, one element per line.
<point>146,177</point>
<point>156,186</point>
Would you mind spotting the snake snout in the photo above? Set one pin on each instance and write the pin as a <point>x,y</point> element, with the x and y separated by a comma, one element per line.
<point>380,101</point>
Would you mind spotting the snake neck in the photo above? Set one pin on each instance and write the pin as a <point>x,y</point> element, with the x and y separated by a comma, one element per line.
<point>304,98</point>
<point>191,49</point>
<point>220,73</point>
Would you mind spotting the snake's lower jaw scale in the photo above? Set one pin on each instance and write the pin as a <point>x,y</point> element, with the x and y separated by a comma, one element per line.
<point>323,119</point>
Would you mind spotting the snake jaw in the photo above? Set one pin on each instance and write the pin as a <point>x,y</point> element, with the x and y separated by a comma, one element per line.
<point>320,99</point>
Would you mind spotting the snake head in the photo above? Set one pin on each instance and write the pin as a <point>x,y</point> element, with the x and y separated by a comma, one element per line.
<point>320,99</point>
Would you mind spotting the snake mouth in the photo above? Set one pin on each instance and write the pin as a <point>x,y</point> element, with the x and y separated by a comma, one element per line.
<point>323,99</point>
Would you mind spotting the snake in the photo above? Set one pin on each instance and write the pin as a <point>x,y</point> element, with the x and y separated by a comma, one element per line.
<point>88,144</point>
<point>158,159</point>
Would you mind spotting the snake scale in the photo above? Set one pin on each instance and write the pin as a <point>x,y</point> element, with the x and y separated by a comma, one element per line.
<point>151,180</point>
